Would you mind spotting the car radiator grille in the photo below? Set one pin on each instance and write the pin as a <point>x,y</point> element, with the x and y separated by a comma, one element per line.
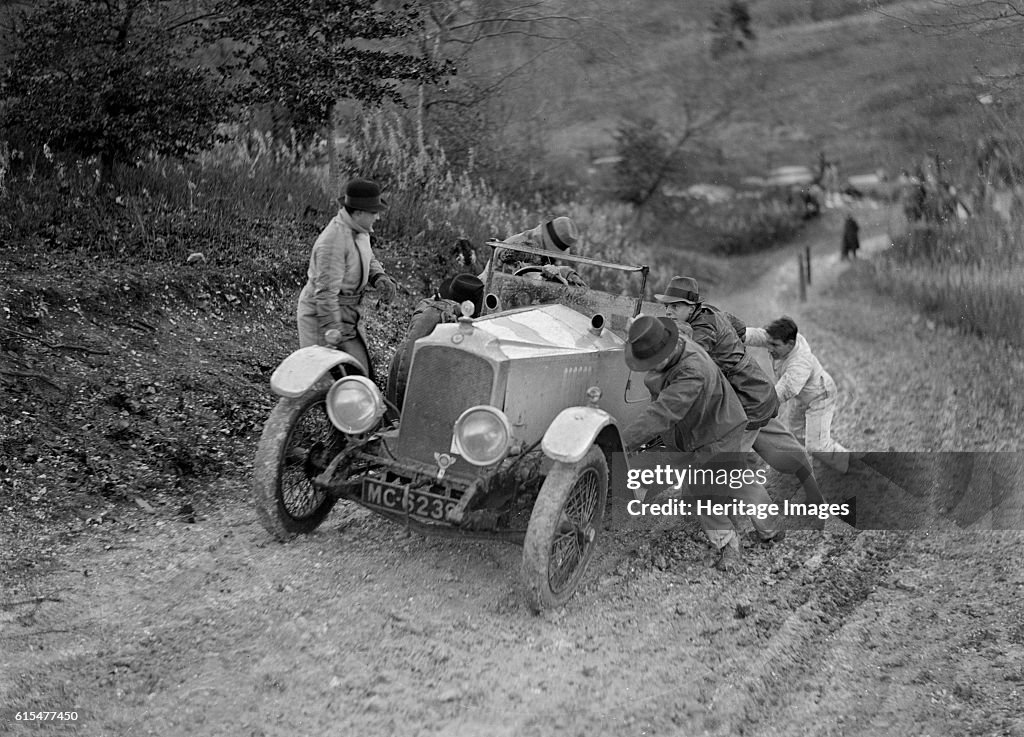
<point>442,384</point>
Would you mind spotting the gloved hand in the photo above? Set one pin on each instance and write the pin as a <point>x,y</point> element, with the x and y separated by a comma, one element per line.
<point>553,273</point>
<point>575,279</point>
<point>386,288</point>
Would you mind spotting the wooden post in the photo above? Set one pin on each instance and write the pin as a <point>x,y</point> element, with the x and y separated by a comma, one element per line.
<point>803,277</point>
<point>807,262</point>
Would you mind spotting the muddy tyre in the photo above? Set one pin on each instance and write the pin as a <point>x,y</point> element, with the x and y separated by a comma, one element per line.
<point>296,432</point>
<point>563,530</point>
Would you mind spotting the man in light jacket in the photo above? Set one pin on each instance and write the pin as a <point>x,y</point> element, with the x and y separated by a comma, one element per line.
<point>802,379</point>
<point>341,266</point>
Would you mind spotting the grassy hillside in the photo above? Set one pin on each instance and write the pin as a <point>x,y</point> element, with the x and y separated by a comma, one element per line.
<point>837,77</point>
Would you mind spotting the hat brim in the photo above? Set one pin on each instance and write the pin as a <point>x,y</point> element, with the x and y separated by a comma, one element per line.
<point>545,238</point>
<point>666,299</point>
<point>646,364</point>
<point>375,204</point>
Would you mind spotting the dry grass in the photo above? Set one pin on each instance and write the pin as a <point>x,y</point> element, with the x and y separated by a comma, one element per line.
<point>969,275</point>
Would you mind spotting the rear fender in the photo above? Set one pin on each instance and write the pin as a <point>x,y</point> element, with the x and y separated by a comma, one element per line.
<point>573,431</point>
<point>298,373</point>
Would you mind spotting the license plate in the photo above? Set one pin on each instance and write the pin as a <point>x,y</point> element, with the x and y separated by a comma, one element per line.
<point>418,503</point>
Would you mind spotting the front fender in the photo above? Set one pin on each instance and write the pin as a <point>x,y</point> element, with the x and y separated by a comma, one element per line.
<point>573,431</point>
<point>305,367</point>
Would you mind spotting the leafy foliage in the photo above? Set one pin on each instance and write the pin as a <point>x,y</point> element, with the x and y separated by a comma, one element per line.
<point>110,79</point>
<point>647,157</point>
<point>306,56</point>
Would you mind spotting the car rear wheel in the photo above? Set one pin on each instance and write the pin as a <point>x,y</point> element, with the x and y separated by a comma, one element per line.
<point>298,441</point>
<point>563,529</point>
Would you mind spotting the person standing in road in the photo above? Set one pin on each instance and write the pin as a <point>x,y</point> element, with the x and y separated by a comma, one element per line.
<point>851,239</point>
<point>341,266</point>
<point>695,411</point>
<point>717,332</point>
<point>802,379</point>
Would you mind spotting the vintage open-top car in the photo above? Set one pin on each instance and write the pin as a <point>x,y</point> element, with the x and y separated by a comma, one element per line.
<point>506,431</point>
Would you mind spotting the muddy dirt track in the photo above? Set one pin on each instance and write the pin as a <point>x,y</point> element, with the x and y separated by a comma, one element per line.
<point>155,625</point>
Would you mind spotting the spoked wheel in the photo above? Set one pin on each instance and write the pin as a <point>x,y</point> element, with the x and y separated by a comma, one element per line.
<point>563,529</point>
<point>298,442</point>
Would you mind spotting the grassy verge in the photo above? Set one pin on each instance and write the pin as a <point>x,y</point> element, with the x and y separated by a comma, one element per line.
<point>968,275</point>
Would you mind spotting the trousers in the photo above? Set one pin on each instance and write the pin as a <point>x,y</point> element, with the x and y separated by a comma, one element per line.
<point>729,454</point>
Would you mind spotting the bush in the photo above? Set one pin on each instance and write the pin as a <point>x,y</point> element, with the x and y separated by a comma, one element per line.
<point>745,224</point>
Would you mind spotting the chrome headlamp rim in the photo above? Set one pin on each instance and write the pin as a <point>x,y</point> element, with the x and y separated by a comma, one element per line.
<point>374,408</point>
<point>502,421</point>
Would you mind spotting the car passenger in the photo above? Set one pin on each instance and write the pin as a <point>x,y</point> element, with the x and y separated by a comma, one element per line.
<point>444,306</point>
<point>556,236</point>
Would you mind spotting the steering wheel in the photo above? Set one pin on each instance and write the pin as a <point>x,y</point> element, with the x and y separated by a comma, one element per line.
<point>529,271</point>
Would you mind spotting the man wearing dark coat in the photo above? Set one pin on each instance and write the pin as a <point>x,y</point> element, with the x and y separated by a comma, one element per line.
<point>851,240</point>
<point>444,306</point>
<point>719,333</point>
<point>694,411</point>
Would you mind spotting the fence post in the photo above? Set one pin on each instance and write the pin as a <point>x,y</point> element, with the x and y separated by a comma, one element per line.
<point>803,277</point>
<point>807,261</point>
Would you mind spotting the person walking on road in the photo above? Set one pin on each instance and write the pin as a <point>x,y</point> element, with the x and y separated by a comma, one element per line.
<point>851,239</point>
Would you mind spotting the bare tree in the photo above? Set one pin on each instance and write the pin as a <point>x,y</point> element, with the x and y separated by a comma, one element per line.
<point>491,43</point>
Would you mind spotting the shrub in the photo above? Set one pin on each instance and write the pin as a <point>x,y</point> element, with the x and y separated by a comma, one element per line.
<point>744,224</point>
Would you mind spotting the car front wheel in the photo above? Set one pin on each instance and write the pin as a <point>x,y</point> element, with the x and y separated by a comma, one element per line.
<point>298,441</point>
<point>563,529</point>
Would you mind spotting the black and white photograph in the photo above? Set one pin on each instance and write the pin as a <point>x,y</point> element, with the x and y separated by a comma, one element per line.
<point>512,368</point>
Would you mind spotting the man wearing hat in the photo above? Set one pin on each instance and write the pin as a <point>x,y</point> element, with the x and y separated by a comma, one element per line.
<point>341,266</point>
<point>444,306</point>
<point>716,332</point>
<point>695,411</point>
<point>556,236</point>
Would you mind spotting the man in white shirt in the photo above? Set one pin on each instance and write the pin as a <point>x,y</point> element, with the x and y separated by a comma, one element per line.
<point>800,377</point>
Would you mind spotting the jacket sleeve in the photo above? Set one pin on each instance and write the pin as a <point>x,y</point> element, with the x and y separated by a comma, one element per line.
<point>703,334</point>
<point>374,270</point>
<point>757,337</point>
<point>329,268</point>
<point>662,414</point>
<point>737,324</point>
<point>794,377</point>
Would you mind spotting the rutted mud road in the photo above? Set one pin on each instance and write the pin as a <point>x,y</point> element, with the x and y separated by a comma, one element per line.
<point>158,626</point>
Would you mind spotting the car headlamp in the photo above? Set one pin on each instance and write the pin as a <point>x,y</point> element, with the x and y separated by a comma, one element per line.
<point>354,405</point>
<point>482,435</point>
